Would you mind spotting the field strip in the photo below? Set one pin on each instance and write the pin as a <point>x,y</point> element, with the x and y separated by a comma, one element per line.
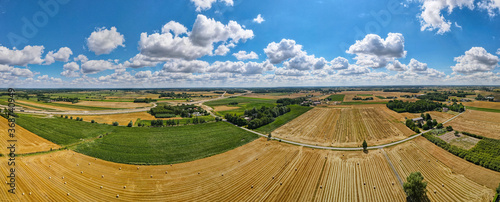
<point>392,167</point>
<point>347,148</point>
<point>99,112</point>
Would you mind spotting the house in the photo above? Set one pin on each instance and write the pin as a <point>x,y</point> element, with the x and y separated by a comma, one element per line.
<point>316,103</point>
<point>196,114</point>
<point>445,109</point>
<point>248,118</point>
<point>418,119</point>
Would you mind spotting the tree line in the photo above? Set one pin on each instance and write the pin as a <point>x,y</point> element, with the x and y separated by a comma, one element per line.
<point>258,117</point>
<point>166,111</point>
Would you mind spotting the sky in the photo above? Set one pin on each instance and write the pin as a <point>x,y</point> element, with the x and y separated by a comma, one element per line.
<point>243,43</point>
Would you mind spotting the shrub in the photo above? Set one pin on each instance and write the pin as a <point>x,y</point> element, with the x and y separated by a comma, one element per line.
<point>439,126</point>
<point>70,117</point>
<point>66,117</point>
<point>115,123</point>
<point>130,124</point>
<point>92,121</point>
<point>449,128</point>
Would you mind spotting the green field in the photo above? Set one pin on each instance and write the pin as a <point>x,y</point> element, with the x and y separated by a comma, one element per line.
<point>243,104</point>
<point>381,97</point>
<point>365,95</point>
<point>483,109</point>
<point>296,111</point>
<point>140,145</point>
<point>337,97</point>
<point>362,103</point>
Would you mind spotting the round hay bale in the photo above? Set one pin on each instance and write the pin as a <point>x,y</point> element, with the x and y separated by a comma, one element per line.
<point>124,187</point>
<point>166,172</point>
<point>198,173</point>
<point>137,168</point>
<point>81,172</point>
<point>30,193</point>
<point>364,183</point>
<point>392,183</point>
<point>281,183</point>
<point>49,166</point>
<point>374,187</point>
<point>62,177</point>
<point>89,164</point>
<point>50,178</point>
<point>23,193</point>
<point>273,177</point>
<point>117,196</point>
<point>442,185</point>
<point>252,186</point>
<point>64,182</point>
<point>295,169</point>
<point>435,191</point>
<point>120,168</point>
<point>151,176</point>
<point>67,194</point>
<point>102,176</point>
<point>101,187</point>
<point>77,164</point>
<point>321,186</point>
<point>222,174</point>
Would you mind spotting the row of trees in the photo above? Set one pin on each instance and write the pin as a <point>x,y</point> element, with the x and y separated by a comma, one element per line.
<point>434,96</point>
<point>258,117</point>
<point>486,152</point>
<point>413,107</point>
<point>291,101</point>
<point>182,110</point>
<point>483,98</point>
<point>359,98</point>
<point>145,100</point>
<point>175,95</point>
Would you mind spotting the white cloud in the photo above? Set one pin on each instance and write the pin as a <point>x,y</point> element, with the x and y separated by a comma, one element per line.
<point>397,66</point>
<point>200,42</point>
<point>72,66</point>
<point>498,51</point>
<point>103,41</point>
<point>431,17</point>
<point>95,66</point>
<point>28,55</point>
<point>81,58</point>
<point>68,73</point>
<point>5,68</point>
<point>178,65</point>
<point>143,74</point>
<point>221,50</point>
<point>243,55</point>
<point>339,63</point>
<point>375,52</point>
<point>285,49</point>
<point>139,61</point>
<point>305,62</point>
<point>21,72</point>
<point>259,19</point>
<point>202,5</point>
<point>240,67</point>
<point>354,70</point>
<point>62,55</point>
<point>492,6</point>
<point>416,66</point>
<point>477,59</point>
<point>175,27</point>
<point>289,72</point>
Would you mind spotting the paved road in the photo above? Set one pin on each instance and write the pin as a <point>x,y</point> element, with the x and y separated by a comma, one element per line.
<point>347,148</point>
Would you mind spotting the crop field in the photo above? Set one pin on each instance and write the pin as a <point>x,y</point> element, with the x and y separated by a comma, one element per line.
<point>443,185</point>
<point>45,106</point>
<point>138,145</point>
<point>344,127</point>
<point>182,121</point>
<point>276,96</point>
<point>460,140</point>
<point>260,170</point>
<point>337,97</point>
<point>65,106</point>
<point>110,104</point>
<point>122,119</point>
<point>349,95</point>
<point>295,111</point>
<point>243,104</point>
<point>27,142</point>
<point>486,124</point>
<point>482,104</point>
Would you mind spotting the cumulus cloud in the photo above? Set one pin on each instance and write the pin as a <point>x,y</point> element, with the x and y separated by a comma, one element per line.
<point>70,70</point>
<point>240,67</point>
<point>492,6</point>
<point>259,19</point>
<point>285,49</point>
<point>498,51</point>
<point>28,55</point>
<point>354,70</point>
<point>305,62</point>
<point>397,66</point>
<point>178,65</point>
<point>416,66</point>
<point>339,63</point>
<point>221,50</point>
<point>175,27</point>
<point>289,72</point>
<point>139,61</point>
<point>62,55</point>
<point>5,68</point>
<point>81,58</point>
<point>375,52</point>
<point>202,5</point>
<point>103,41</point>
<point>95,66</point>
<point>21,72</point>
<point>431,17</point>
<point>200,42</point>
<point>143,74</point>
<point>477,59</point>
<point>243,55</point>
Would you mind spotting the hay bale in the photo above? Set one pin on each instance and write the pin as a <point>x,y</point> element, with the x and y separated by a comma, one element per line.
<point>151,176</point>
<point>102,176</point>
<point>50,178</point>
<point>374,187</point>
<point>137,168</point>
<point>252,186</point>
<point>364,183</point>
<point>120,168</point>
<point>67,194</point>
<point>101,187</point>
<point>62,177</point>
<point>49,166</point>
<point>64,182</point>
<point>117,196</point>
<point>281,183</point>
<point>89,164</point>
<point>124,187</point>
<point>222,174</point>
<point>273,177</point>
<point>30,193</point>
<point>321,186</point>
<point>166,172</point>
<point>442,185</point>
<point>81,172</point>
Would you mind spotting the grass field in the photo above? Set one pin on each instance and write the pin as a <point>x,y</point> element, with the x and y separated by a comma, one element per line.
<point>337,97</point>
<point>295,112</point>
<point>139,145</point>
<point>243,104</point>
<point>365,95</point>
<point>483,109</point>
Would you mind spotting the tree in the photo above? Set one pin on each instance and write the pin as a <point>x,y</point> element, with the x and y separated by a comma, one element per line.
<point>365,145</point>
<point>498,189</point>
<point>92,121</point>
<point>449,128</point>
<point>439,125</point>
<point>115,123</point>
<point>415,187</point>
<point>66,117</point>
<point>269,136</point>
<point>130,124</point>
<point>425,127</point>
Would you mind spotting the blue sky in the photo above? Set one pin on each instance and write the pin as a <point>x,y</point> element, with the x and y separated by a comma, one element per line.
<point>298,43</point>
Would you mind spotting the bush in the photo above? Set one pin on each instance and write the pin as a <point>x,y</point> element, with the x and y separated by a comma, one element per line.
<point>449,128</point>
<point>115,123</point>
<point>66,117</point>
<point>439,126</point>
<point>92,121</point>
<point>130,124</point>
<point>70,117</point>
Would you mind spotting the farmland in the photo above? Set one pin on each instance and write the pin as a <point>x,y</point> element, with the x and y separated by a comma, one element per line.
<point>260,170</point>
<point>139,145</point>
<point>337,97</point>
<point>27,142</point>
<point>486,124</point>
<point>346,127</point>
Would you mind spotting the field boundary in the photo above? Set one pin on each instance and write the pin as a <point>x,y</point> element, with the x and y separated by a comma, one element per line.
<point>392,167</point>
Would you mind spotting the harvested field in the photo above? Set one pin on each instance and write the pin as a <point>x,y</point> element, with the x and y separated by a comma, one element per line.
<point>460,166</point>
<point>482,104</point>
<point>49,106</point>
<point>276,96</point>
<point>346,127</point>
<point>122,119</point>
<point>460,140</point>
<point>224,108</point>
<point>364,94</point>
<point>27,142</point>
<point>276,172</point>
<point>486,124</point>
<point>442,183</point>
<point>110,104</point>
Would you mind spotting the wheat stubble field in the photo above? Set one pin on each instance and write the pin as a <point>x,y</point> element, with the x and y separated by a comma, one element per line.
<point>346,127</point>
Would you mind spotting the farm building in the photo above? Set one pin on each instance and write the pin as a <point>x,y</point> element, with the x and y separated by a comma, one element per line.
<point>445,109</point>
<point>419,119</point>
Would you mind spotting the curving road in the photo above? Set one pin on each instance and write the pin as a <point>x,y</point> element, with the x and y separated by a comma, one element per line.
<point>348,148</point>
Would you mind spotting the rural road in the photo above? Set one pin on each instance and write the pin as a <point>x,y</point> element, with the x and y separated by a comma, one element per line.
<point>347,148</point>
